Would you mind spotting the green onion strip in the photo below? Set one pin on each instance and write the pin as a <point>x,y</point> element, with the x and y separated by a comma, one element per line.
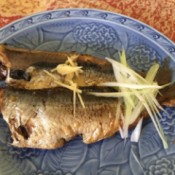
<point>136,94</point>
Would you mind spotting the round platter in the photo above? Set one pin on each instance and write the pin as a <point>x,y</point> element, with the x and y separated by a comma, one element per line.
<point>102,34</point>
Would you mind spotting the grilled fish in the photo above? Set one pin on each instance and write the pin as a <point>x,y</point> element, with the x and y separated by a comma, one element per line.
<point>26,68</point>
<point>44,118</point>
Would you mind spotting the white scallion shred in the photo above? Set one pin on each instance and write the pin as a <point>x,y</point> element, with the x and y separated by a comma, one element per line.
<point>136,133</point>
<point>136,94</point>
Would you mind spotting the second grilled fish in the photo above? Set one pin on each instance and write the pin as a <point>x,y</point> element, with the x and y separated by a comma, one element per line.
<point>44,119</point>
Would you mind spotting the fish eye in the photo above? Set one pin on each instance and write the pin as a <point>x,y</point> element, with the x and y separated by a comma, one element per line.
<point>20,74</point>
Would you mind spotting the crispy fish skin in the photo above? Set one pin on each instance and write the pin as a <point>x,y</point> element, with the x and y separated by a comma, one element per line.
<point>44,119</point>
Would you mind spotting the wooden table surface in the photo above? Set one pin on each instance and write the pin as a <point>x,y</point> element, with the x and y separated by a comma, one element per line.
<point>159,14</point>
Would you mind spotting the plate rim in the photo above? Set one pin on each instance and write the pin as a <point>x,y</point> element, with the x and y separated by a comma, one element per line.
<point>13,28</point>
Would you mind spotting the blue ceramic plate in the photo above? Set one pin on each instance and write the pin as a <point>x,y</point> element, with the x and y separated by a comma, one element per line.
<point>101,34</point>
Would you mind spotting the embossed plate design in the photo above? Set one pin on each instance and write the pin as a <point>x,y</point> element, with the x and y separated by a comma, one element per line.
<point>101,34</point>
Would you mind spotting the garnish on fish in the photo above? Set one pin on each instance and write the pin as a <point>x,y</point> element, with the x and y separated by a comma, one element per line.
<point>138,94</point>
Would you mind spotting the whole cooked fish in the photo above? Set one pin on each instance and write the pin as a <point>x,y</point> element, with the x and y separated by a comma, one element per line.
<point>22,68</point>
<point>44,119</point>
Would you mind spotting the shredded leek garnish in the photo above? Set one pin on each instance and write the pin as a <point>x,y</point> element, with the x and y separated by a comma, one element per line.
<point>131,86</point>
<point>136,133</point>
<point>136,94</point>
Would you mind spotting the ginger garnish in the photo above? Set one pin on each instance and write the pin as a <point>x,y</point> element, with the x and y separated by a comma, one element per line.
<point>64,69</point>
<point>68,71</point>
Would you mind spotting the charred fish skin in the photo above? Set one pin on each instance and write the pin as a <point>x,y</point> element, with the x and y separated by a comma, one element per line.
<point>45,120</point>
